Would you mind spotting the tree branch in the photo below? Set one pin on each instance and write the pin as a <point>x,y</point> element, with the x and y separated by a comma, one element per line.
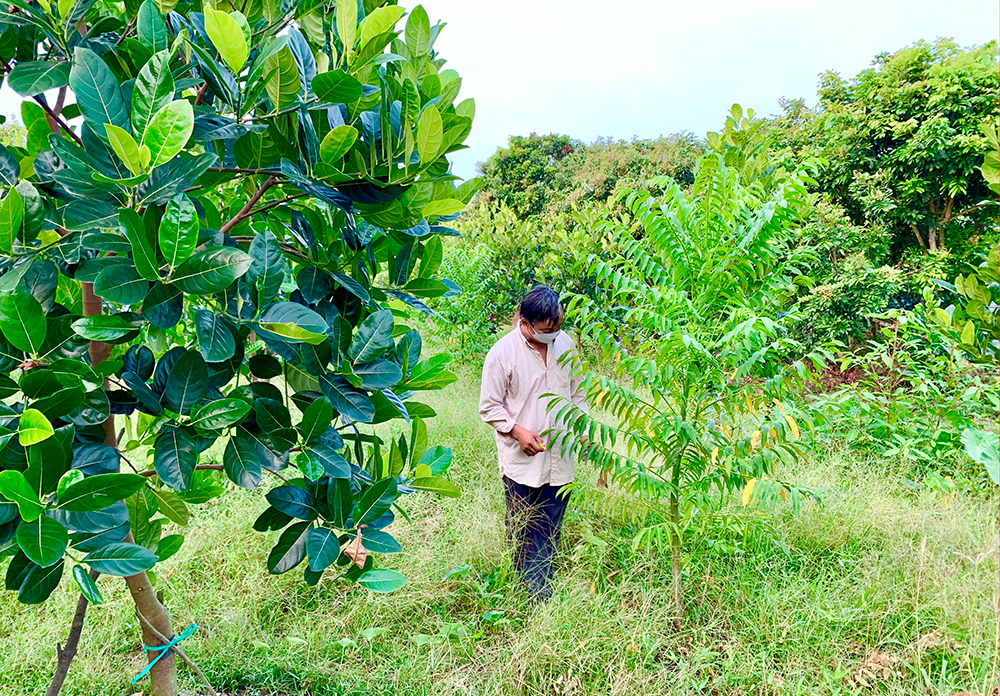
<point>245,211</point>
<point>977,206</point>
<point>52,115</point>
<point>66,654</point>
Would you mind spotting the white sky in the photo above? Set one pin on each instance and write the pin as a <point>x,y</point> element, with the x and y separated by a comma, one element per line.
<point>651,67</point>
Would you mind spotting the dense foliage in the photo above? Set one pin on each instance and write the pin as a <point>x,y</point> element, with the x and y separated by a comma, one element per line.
<point>224,249</point>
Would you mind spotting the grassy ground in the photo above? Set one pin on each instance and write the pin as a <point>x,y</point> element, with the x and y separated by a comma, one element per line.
<point>874,591</point>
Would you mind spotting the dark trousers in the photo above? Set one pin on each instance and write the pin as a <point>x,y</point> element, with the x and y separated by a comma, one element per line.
<point>534,521</point>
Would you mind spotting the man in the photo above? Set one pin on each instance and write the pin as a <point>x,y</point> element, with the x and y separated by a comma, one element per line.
<point>519,369</point>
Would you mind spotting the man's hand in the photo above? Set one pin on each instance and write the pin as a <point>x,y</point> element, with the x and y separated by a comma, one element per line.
<point>531,443</point>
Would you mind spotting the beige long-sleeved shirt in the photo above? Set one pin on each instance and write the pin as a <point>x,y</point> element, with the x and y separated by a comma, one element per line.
<point>514,378</point>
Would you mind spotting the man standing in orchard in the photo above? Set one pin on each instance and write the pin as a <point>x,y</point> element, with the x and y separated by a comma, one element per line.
<point>519,369</point>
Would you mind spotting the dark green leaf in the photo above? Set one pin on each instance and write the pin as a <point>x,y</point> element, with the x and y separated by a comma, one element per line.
<point>186,383</point>
<point>105,327</point>
<point>340,501</point>
<point>98,492</point>
<point>88,588</point>
<point>93,459</point>
<point>215,340</point>
<point>42,540</point>
<point>120,559</point>
<point>263,366</point>
<point>39,582</point>
<point>143,255</point>
<point>378,374</point>
<point>211,271</point>
<point>219,414</point>
<point>316,418</point>
<point>267,271</point>
<point>290,549</point>
<point>373,336</point>
<point>175,458</point>
<point>163,305</point>
<point>241,463</point>
<point>346,399</point>
<point>152,31</point>
<point>377,541</point>
<point>333,465</point>
<point>168,546</point>
<point>322,547</point>
<point>178,230</point>
<point>376,501</point>
<point>121,284</point>
<point>96,89</point>
<point>29,78</point>
<point>294,501</point>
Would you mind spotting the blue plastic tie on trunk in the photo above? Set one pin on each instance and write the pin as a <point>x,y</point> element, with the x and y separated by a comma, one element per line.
<point>164,649</point>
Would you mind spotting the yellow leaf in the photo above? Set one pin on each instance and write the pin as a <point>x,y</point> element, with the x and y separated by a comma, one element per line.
<point>748,491</point>
<point>725,431</point>
<point>754,439</point>
<point>793,426</point>
<point>780,407</point>
<point>774,435</point>
<point>749,404</point>
<point>715,455</point>
<point>783,496</point>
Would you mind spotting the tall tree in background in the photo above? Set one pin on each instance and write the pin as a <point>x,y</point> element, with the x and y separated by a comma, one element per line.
<point>904,143</point>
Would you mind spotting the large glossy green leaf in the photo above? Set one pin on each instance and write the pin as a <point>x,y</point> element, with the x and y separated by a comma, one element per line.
<point>332,464</point>
<point>437,459</point>
<point>98,492</point>
<point>316,419</point>
<point>347,25</point>
<point>121,284</point>
<point>293,501</point>
<point>87,586</point>
<point>22,322</point>
<point>174,458</point>
<point>228,38</point>
<point>153,90</point>
<point>43,540</point>
<point>15,488</point>
<point>143,255</point>
<point>186,383</point>
<point>128,151</point>
<point>376,501</point>
<point>29,78</point>
<point>382,580</point>
<point>322,547</point>
<point>215,340</point>
<point>168,131</point>
<point>290,549</point>
<point>96,89</point>
<point>39,582</point>
<point>178,234</point>
<point>337,143</point>
<point>120,559</point>
<point>267,271</point>
<point>379,22</point>
<point>418,31</point>
<point>430,135</point>
<point>211,270</point>
<point>373,336</point>
<point>33,427</point>
<point>281,77</point>
<point>151,28</point>
<point>241,463</point>
<point>337,87</point>
<point>347,399</point>
<point>11,217</point>
<point>292,322</point>
<point>378,374</point>
<point>436,484</point>
<point>220,414</point>
<point>104,327</point>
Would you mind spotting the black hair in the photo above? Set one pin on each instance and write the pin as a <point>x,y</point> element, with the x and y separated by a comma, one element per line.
<point>540,304</point>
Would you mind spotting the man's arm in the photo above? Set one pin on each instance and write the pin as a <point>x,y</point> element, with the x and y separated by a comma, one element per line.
<point>492,410</point>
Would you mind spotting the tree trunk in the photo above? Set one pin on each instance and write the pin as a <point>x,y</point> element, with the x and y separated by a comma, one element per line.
<point>163,676</point>
<point>675,547</point>
<point>65,655</point>
<point>916,233</point>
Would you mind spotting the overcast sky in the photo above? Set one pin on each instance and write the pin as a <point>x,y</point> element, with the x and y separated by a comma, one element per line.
<point>651,67</point>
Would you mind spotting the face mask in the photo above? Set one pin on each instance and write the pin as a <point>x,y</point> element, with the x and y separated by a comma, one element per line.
<point>546,337</point>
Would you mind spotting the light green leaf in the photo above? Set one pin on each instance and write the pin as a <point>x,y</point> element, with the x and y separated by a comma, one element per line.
<point>436,484</point>
<point>22,322</point>
<point>382,580</point>
<point>168,131</point>
<point>337,143</point>
<point>281,76</point>
<point>33,427</point>
<point>379,22</point>
<point>347,25</point>
<point>125,147</point>
<point>228,38</point>
<point>11,216</point>
<point>219,414</point>
<point>15,488</point>
<point>442,207</point>
<point>430,135</point>
<point>418,31</point>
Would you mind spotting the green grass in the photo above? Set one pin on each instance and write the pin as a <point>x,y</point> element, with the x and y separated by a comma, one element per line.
<point>874,575</point>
